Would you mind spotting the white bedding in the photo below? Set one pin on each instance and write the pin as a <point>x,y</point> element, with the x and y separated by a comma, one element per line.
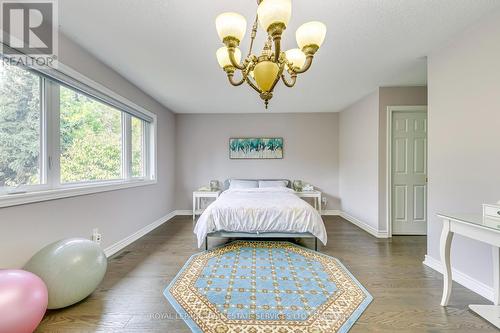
<point>260,210</point>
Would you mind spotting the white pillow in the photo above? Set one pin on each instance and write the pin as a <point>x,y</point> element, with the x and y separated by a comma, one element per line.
<point>272,183</point>
<point>237,183</point>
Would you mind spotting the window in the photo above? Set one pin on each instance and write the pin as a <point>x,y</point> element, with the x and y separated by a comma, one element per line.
<point>20,127</point>
<point>57,133</point>
<point>138,137</point>
<point>91,138</point>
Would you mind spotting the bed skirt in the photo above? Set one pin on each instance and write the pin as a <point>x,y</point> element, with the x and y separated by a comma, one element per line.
<point>263,235</point>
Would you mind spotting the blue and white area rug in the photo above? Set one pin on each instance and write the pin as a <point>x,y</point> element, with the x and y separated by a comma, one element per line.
<point>266,287</point>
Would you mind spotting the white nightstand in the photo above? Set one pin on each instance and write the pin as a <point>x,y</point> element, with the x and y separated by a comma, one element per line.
<point>316,195</point>
<point>198,195</point>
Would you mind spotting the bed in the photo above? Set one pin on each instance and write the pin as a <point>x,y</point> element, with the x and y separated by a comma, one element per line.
<point>260,212</point>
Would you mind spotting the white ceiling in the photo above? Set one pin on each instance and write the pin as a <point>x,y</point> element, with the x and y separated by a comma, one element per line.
<point>167,48</point>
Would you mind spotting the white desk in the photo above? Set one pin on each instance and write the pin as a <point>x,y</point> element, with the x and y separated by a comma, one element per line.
<point>316,195</point>
<point>481,229</point>
<point>198,196</point>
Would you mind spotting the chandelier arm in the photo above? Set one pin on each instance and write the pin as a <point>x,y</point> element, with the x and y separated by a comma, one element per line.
<point>251,84</point>
<point>236,83</point>
<point>290,83</point>
<point>282,67</point>
<point>307,65</point>
<point>232,58</point>
<point>277,49</point>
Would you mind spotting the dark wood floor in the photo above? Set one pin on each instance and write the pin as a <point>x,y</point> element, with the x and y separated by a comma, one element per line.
<point>406,293</point>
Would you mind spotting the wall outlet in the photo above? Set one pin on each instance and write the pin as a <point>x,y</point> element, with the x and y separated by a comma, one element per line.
<point>96,236</point>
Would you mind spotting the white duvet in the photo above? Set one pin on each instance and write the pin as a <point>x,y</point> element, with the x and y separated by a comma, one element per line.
<point>260,210</point>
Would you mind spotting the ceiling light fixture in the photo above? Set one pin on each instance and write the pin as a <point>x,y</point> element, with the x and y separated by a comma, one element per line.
<point>263,72</point>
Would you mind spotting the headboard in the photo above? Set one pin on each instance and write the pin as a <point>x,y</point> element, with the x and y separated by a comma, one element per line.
<point>227,181</point>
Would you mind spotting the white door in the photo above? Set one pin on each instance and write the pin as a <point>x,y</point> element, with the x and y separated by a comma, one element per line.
<point>409,173</point>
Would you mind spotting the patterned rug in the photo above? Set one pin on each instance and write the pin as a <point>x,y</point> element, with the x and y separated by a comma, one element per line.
<point>266,287</point>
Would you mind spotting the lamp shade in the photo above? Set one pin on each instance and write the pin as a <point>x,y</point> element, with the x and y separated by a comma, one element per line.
<point>311,33</point>
<point>231,25</point>
<point>296,57</point>
<point>265,73</point>
<point>274,11</point>
<point>223,56</point>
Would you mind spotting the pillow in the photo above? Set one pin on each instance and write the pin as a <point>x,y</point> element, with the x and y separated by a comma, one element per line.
<point>272,183</point>
<point>237,183</point>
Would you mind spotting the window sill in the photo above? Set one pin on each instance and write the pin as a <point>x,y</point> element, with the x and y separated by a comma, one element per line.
<point>9,200</point>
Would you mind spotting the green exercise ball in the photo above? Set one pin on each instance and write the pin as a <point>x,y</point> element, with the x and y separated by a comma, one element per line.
<point>71,268</point>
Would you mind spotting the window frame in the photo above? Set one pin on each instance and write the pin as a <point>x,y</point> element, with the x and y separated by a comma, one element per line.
<point>51,187</point>
<point>146,172</point>
<point>43,153</point>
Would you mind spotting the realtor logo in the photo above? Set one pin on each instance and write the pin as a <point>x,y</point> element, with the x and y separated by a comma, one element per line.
<point>29,30</point>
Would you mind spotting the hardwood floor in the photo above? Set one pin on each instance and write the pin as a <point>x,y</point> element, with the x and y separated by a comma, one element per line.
<point>406,293</point>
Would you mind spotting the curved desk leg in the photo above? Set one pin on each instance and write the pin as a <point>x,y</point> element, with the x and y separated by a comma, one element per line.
<point>445,246</point>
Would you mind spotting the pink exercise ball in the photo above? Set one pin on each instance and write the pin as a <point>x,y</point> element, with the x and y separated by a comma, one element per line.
<point>23,301</point>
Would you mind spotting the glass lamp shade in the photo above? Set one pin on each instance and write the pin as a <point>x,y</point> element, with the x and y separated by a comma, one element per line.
<point>274,11</point>
<point>265,73</point>
<point>223,56</point>
<point>311,33</point>
<point>296,57</point>
<point>231,25</point>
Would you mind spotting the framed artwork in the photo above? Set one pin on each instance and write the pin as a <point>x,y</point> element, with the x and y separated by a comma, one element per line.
<point>255,148</point>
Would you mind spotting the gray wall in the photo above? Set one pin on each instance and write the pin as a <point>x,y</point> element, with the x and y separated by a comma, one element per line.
<point>310,150</point>
<point>118,214</point>
<point>363,152</point>
<point>464,138</point>
<point>359,160</point>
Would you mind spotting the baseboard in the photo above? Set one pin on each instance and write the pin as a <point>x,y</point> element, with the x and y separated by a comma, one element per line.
<point>183,212</point>
<point>330,212</point>
<point>112,249</point>
<point>326,212</point>
<point>463,279</point>
<point>363,225</point>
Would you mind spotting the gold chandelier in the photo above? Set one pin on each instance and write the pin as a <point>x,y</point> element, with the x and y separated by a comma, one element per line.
<point>263,72</point>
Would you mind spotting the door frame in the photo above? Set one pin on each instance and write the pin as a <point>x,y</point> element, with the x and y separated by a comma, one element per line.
<point>390,112</point>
